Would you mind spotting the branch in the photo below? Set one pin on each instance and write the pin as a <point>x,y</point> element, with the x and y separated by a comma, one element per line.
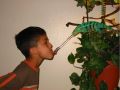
<point>117,9</point>
<point>112,21</point>
<point>77,67</point>
<point>117,46</point>
<point>73,24</point>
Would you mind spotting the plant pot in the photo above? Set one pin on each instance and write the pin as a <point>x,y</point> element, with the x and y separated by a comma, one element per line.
<point>110,76</point>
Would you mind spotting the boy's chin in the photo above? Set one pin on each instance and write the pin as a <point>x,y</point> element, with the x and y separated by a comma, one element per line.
<point>50,57</point>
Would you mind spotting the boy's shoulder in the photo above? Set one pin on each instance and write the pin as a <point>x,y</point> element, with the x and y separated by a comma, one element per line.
<point>22,76</point>
<point>26,74</point>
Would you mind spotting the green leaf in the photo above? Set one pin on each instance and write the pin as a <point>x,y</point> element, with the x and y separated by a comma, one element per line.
<point>80,3</point>
<point>73,89</point>
<point>90,4</point>
<point>81,52</point>
<point>91,84</point>
<point>75,79</point>
<point>84,80</point>
<point>85,41</point>
<point>103,86</point>
<point>80,60</point>
<point>71,58</point>
<point>115,59</point>
<point>95,63</point>
<point>117,88</point>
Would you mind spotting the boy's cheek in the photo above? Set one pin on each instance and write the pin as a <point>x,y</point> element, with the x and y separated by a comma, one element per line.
<point>46,52</point>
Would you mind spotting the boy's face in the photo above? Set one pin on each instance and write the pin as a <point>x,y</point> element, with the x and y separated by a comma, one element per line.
<point>44,48</point>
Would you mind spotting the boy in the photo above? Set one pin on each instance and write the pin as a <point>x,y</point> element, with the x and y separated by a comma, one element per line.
<point>35,46</point>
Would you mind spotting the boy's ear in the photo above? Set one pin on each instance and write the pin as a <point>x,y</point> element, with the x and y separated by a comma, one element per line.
<point>33,50</point>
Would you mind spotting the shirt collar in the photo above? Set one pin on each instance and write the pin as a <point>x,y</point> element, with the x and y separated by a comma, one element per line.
<point>31,65</point>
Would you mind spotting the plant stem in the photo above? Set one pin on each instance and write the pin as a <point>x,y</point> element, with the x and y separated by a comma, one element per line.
<point>77,67</point>
<point>87,12</point>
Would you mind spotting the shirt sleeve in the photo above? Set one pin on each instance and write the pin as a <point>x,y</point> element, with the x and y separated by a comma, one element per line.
<point>15,80</point>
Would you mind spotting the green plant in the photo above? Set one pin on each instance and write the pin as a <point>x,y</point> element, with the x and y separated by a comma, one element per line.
<point>96,49</point>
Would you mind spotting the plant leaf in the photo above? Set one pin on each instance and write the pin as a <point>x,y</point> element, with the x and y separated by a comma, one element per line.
<point>71,58</point>
<point>73,89</point>
<point>75,79</point>
<point>80,60</point>
<point>103,86</point>
<point>115,59</point>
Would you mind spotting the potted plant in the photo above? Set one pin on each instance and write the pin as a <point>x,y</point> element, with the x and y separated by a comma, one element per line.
<point>98,53</point>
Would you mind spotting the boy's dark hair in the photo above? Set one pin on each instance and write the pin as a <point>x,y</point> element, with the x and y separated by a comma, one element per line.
<point>28,38</point>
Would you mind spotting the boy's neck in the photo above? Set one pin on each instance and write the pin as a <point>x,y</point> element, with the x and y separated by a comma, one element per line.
<point>36,62</point>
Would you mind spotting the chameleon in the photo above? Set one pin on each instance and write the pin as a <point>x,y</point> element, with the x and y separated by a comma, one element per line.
<point>84,27</point>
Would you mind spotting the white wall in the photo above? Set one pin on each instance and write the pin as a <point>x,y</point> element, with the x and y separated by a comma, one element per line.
<point>52,15</point>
